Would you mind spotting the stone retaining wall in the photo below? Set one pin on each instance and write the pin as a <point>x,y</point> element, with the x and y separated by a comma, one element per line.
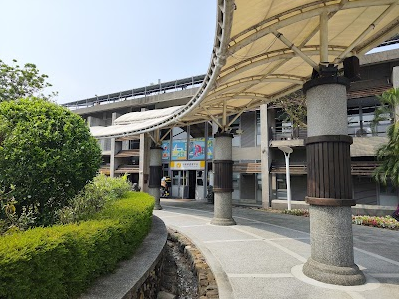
<point>207,287</point>
<point>150,287</point>
<point>139,276</point>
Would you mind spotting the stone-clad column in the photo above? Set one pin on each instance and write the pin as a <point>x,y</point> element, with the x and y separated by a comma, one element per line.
<point>154,184</point>
<point>330,184</point>
<point>223,179</point>
<point>265,158</point>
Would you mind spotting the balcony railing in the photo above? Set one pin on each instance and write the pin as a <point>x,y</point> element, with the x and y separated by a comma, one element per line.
<point>355,129</point>
<point>359,168</point>
<point>289,133</point>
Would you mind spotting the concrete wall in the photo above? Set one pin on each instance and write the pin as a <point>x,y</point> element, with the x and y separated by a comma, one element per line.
<point>125,106</point>
<point>246,153</point>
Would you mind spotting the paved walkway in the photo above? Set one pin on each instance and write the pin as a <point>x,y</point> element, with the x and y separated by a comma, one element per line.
<point>262,256</point>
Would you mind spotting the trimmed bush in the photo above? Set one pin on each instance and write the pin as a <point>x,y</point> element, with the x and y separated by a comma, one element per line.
<point>47,155</point>
<point>61,261</point>
<point>93,197</point>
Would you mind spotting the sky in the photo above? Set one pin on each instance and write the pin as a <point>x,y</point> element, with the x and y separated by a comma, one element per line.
<point>90,48</point>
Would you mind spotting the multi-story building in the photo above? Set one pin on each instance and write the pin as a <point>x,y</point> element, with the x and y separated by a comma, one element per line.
<point>258,134</point>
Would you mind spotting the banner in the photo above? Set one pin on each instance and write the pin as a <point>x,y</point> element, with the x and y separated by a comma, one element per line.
<point>165,150</point>
<point>209,154</point>
<point>179,150</point>
<point>196,149</point>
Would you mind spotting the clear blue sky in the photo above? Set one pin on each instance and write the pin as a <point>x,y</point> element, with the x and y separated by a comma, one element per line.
<point>90,47</point>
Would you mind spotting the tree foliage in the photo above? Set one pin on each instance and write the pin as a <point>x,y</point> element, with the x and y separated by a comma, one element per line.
<point>17,82</point>
<point>388,153</point>
<point>47,155</point>
<point>294,105</point>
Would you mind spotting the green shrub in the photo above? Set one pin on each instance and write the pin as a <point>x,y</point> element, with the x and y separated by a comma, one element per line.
<point>61,261</point>
<point>46,153</point>
<point>93,197</point>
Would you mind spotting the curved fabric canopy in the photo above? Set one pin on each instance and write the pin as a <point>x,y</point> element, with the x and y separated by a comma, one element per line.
<point>133,121</point>
<point>266,49</point>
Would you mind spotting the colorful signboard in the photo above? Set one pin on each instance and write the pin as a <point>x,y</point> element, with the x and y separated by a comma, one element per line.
<point>209,154</point>
<point>165,150</point>
<point>179,150</point>
<point>196,149</point>
<point>187,165</point>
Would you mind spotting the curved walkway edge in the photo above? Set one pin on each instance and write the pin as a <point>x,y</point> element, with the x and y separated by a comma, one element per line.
<point>262,256</point>
<point>131,274</point>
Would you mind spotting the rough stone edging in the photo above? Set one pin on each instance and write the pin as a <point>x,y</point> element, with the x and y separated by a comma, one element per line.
<point>131,274</point>
<point>207,286</point>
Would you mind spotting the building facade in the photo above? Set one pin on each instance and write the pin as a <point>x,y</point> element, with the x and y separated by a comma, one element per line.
<point>259,165</point>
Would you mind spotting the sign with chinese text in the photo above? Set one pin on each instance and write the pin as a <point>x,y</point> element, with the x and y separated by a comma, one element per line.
<point>187,165</point>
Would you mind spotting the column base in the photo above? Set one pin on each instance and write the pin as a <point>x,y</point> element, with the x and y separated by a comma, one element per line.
<point>344,276</point>
<point>223,221</point>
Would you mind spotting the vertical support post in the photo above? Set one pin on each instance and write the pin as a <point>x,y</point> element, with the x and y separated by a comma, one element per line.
<point>288,178</point>
<point>112,159</point>
<point>324,38</point>
<point>329,184</point>
<point>143,160</point>
<point>223,180</point>
<point>154,185</point>
<point>265,159</point>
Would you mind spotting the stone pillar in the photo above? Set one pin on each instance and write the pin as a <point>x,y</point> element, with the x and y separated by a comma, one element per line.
<point>223,179</point>
<point>330,184</point>
<point>154,184</point>
<point>265,159</point>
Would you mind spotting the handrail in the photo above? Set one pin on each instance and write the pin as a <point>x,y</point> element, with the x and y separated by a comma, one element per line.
<point>141,91</point>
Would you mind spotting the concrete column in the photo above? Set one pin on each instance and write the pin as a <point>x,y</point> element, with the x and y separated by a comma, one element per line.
<point>265,161</point>
<point>143,160</point>
<point>154,185</point>
<point>331,235</point>
<point>116,147</point>
<point>223,179</point>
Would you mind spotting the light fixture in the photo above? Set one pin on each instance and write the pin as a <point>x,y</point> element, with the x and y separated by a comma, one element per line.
<point>287,151</point>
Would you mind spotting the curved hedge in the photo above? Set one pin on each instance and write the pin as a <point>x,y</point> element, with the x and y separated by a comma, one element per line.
<point>61,261</point>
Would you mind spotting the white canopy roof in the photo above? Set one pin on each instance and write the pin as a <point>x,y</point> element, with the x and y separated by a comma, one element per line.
<point>265,49</point>
<point>129,123</point>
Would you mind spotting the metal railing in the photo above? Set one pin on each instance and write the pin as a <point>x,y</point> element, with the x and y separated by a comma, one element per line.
<point>289,133</point>
<point>158,88</point>
<point>355,129</point>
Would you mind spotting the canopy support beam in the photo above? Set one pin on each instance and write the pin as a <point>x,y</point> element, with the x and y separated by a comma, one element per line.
<point>324,38</point>
<point>165,135</point>
<point>213,118</point>
<point>371,27</point>
<point>239,113</point>
<point>292,47</point>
